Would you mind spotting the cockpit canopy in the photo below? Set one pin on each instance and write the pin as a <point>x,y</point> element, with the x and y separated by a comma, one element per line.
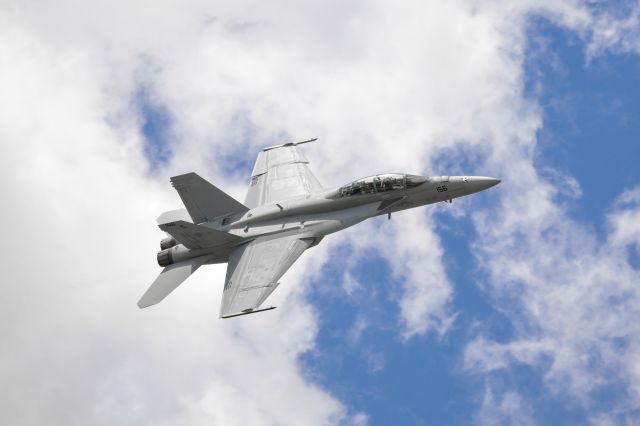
<point>381,183</point>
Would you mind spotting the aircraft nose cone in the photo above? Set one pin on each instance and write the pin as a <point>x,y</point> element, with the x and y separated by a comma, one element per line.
<point>480,183</point>
<point>488,182</point>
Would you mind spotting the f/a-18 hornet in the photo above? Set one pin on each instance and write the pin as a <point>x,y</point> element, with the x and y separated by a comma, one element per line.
<point>286,211</point>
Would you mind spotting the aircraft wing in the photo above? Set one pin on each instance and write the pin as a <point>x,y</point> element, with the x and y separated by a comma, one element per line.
<point>280,172</point>
<point>254,269</point>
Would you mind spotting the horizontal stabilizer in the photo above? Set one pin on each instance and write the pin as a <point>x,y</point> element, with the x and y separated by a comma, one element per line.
<point>197,236</point>
<point>173,216</point>
<point>169,279</point>
<point>203,201</point>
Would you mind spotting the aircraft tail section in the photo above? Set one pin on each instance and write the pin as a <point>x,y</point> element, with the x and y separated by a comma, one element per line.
<point>169,279</point>
<point>203,201</point>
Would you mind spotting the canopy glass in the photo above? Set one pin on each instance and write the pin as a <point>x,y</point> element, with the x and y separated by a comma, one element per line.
<point>381,183</point>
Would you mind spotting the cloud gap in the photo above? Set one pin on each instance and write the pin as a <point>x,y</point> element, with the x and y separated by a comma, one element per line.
<point>155,126</point>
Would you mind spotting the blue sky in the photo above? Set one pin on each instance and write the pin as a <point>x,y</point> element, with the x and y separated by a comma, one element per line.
<point>591,131</point>
<point>517,305</point>
<point>590,109</point>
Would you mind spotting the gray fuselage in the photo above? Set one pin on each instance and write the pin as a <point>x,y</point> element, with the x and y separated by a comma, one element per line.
<point>317,215</point>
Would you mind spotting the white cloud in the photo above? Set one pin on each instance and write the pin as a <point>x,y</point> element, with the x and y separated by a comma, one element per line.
<point>355,331</point>
<point>79,211</point>
<point>418,260</point>
<point>350,284</point>
<point>507,407</point>
<point>624,220</point>
<point>568,295</point>
<point>386,88</point>
<point>619,33</point>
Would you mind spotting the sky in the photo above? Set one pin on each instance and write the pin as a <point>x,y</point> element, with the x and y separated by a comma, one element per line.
<point>517,305</point>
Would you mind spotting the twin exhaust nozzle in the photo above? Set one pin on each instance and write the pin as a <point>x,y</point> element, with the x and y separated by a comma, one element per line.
<point>164,256</point>
<point>166,243</point>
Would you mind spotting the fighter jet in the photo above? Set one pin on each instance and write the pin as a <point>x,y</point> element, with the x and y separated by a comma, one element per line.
<point>286,211</point>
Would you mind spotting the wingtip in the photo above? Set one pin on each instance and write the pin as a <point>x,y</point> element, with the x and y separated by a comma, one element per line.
<point>178,181</point>
<point>246,312</point>
<point>145,304</point>
<point>290,144</point>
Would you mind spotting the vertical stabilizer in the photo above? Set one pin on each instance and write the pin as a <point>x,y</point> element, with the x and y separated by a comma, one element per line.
<point>203,201</point>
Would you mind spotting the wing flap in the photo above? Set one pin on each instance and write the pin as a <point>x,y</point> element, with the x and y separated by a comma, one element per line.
<point>254,270</point>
